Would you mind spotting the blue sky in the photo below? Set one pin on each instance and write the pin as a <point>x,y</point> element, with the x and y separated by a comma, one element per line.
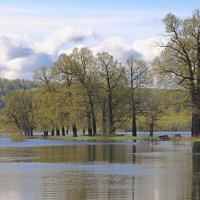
<point>34,32</point>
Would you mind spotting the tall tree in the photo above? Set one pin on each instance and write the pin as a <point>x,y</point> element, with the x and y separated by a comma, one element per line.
<point>113,76</point>
<point>85,74</point>
<point>137,75</point>
<point>66,70</point>
<point>179,63</point>
<point>49,101</point>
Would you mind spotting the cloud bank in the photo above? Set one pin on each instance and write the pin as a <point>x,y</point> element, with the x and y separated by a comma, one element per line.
<point>53,43</point>
<point>20,57</point>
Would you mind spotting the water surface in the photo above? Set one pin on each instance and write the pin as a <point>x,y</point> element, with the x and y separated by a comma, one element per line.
<point>42,169</point>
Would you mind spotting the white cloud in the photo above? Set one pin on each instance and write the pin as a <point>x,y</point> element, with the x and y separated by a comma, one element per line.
<point>117,47</point>
<point>53,43</point>
<point>13,46</point>
<point>17,56</point>
<point>145,49</point>
<point>21,66</point>
<point>20,56</point>
<point>70,50</point>
<point>148,47</point>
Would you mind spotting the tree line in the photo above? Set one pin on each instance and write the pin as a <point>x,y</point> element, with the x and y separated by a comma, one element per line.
<point>97,93</point>
<point>91,94</point>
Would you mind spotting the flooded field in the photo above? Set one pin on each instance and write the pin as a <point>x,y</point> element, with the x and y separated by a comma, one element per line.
<point>43,169</point>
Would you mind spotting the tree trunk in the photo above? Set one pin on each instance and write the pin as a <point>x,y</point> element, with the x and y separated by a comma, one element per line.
<point>195,125</point>
<point>45,133</point>
<point>63,131</point>
<point>57,132</point>
<point>104,118</point>
<point>52,132</point>
<point>94,128</point>
<point>151,129</point>
<point>196,95</point>
<point>67,131</point>
<point>89,124</point>
<point>111,129</point>
<point>74,129</point>
<point>134,127</point>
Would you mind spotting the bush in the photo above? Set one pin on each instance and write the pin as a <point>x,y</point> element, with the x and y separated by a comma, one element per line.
<point>17,137</point>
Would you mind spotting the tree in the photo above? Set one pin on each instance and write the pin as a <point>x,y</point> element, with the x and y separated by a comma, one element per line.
<point>51,112</point>
<point>63,75</point>
<point>45,77</point>
<point>79,68</point>
<point>18,111</point>
<point>155,105</point>
<point>45,101</point>
<point>137,75</point>
<point>179,62</point>
<point>113,79</point>
<point>85,73</point>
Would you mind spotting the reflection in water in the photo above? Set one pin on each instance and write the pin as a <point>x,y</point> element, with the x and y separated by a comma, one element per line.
<point>196,171</point>
<point>100,171</point>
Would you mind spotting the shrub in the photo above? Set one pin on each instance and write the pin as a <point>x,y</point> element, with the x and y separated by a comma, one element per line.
<point>17,137</point>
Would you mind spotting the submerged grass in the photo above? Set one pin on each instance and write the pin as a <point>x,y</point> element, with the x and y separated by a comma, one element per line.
<point>105,138</point>
<point>109,138</point>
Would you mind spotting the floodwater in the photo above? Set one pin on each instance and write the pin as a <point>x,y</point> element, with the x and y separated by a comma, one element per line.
<point>43,169</point>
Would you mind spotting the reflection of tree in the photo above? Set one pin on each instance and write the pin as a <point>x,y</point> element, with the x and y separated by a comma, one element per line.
<point>196,171</point>
<point>91,153</point>
<point>134,150</point>
<point>84,183</point>
<point>83,154</point>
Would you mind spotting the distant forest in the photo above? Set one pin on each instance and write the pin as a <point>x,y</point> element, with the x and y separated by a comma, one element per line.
<point>7,86</point>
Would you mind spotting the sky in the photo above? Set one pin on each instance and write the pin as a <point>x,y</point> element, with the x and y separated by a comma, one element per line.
<point>33,33</point>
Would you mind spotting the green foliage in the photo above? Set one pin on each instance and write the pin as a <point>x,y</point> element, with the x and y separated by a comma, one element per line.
<point>18,111</point>
<point>17,137</point>
<point>94,93</point>
<point>179,63</point>
<point>7,86</point>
